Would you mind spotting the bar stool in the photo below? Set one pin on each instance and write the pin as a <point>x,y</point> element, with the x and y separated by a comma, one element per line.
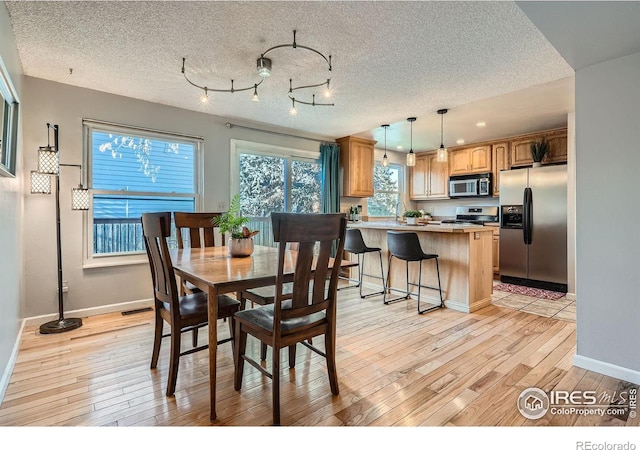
<point>354,243</point>
<point>406,246</point>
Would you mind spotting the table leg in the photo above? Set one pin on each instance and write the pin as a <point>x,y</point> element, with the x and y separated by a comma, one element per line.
<point>213,348</point>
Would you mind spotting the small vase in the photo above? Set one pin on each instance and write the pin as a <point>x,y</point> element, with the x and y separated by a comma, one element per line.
<point>537,164</point>
<point>412,220</point>
<point>240,247</point>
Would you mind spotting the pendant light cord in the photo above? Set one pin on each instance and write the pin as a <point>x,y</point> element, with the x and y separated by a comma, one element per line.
<point>441,130</point>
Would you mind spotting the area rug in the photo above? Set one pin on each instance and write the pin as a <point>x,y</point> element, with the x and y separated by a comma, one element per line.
<point>529,291</point>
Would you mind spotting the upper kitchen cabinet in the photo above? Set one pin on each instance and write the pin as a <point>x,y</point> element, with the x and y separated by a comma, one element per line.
<point>521,148</point>
<point>356,162</point>
<point>428,178</point>
<point>467,160</point>
<point>500,158</point>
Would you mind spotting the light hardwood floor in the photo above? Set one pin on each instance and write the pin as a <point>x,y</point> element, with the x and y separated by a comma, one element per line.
<point>396,368</point>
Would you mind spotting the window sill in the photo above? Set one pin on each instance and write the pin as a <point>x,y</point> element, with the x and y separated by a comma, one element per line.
<point>115,261</point>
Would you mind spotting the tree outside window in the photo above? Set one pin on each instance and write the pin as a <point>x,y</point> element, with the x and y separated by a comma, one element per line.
<point>387,191</point>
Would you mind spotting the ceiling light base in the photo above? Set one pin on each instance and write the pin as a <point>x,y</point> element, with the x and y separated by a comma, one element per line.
<point>442,111</point>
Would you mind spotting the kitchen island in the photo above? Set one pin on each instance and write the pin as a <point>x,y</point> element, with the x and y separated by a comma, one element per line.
<point>465,257</point>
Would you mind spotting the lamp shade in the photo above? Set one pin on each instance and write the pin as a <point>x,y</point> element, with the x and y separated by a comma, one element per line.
<point>80,198</point>
<point>442,154</point>
<point>40,183</point>
<point>48,160</point>
<point>411,159</point>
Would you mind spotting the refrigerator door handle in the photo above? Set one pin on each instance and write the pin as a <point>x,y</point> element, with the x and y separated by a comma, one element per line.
<point>527,216</point>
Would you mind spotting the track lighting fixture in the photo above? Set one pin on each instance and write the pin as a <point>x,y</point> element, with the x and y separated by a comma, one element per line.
<point>264,69</point>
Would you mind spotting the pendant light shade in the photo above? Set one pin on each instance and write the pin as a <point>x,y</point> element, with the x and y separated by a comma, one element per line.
<point>40,183</point>
<point>411,157</point>
<point>442,154</point>
<point>80,198</point>
<point>385,159</point>
<point>48,160</point>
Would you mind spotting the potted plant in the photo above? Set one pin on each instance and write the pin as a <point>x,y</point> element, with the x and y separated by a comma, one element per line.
<point>412,216</point>
<point>240,242</point>
<point>539,149</point>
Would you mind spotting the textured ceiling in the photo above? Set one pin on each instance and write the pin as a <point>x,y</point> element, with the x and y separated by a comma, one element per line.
<point>391,60</point>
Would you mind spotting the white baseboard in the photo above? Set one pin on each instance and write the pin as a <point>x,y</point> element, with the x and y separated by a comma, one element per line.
<point>571,296</point>
<point>8,370</point>
<point>88,312</point>
<point>611,370</point>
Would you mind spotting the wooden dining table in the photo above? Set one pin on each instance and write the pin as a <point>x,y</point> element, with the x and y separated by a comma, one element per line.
<point>213,271</point>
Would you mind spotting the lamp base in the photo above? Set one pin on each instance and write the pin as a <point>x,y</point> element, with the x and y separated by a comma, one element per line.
<point>60,326</point>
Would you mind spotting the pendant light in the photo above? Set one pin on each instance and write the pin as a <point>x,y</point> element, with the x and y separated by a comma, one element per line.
<point>385,160</point>
<point>442,155</point>
<point>411,157</point>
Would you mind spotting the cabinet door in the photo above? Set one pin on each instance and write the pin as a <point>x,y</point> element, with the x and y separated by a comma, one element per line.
<point>356,159</point>
<point>418,181</point>
<point>438,179</point>
<point>521,153</point>
<point>459,161</point>
<point>480,159</point>
<point>557,147</point>
<point>500,158</point>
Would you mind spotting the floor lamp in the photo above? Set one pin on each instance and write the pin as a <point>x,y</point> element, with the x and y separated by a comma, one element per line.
<point>49,166</point>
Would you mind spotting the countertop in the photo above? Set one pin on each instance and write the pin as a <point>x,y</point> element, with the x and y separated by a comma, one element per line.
<point>434,227</point>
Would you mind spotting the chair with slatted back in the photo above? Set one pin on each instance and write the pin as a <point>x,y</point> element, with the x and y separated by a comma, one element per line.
<point>265,296</point>
<point>182,312</point>
<point>311,310</point>
<point>200,230</point>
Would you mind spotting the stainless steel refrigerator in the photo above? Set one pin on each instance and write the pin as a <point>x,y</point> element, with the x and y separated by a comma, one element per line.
<point>533,227</point>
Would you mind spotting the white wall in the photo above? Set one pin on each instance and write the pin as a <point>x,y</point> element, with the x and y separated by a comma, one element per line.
<point>65,105</point>
<point>10,222</point>
<point>607,217</point>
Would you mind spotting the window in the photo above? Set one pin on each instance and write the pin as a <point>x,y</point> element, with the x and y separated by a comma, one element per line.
<point>132,171</point>
<point>8,125</point>
<point>274,179</point>
<point>387,187</point>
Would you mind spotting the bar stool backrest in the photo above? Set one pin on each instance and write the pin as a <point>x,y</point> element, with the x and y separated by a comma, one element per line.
<point>404,245</point>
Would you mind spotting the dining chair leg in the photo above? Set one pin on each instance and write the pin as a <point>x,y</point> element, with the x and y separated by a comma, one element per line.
<point>194,337</point>
<point>174,360</point>
<point>275,379</point>
<point>330,351</point>
<point>239,351</point>
<point>292,356</point>
<point>157,340</point>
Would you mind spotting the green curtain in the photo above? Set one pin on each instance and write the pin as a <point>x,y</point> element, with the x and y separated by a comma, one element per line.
<point>330,159</point>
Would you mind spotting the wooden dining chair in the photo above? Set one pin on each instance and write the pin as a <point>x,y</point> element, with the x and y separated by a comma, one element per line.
<point>311,310</point>
<point>198,226</point>
<point>182,312</point>
<point>266,296</point>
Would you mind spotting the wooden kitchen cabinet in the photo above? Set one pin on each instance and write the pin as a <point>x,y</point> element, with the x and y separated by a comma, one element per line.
<point>521,148</point>
<point>356,162</point>
<point>468,160</point>
<point>500,158</point>
<point>428,178</point>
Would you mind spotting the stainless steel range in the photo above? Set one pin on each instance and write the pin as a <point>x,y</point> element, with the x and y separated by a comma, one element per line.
<point>474,215</point>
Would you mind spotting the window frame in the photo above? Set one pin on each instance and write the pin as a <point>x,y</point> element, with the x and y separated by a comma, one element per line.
<point>399,192</point>
<point>91,260</point>
<point>256,148</point>
<point>10,117</point>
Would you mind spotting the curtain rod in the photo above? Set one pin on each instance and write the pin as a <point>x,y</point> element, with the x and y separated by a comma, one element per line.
<point>233,125</point>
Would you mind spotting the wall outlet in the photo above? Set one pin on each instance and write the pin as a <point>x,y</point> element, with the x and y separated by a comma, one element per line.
<point>430,209</point>
<point>222,206</point>
<point>65,287</point>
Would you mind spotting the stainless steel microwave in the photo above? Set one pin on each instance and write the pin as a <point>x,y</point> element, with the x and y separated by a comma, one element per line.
<point>476,185</point>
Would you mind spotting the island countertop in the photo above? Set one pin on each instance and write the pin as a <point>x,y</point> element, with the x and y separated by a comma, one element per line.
<point>439,228</point>
<point>465,255</point>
